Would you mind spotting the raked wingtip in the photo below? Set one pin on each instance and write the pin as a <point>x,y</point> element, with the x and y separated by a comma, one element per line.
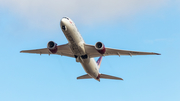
<point>158,54</point>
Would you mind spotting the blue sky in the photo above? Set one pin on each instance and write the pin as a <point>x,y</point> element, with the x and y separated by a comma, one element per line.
<point>152,26</point>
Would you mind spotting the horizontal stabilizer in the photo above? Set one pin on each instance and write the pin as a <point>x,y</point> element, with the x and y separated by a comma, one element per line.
<point>86,76</point>
<point>104,76</point>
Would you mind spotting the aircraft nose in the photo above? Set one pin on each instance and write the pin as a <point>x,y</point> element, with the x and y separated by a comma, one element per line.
<point>63,21</point>
<point>63,24</point>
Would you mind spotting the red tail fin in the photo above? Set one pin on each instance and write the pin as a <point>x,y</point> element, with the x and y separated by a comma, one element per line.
<point>99,62</point>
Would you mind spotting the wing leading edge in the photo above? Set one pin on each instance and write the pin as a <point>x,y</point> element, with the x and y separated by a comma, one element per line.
<point>92,52</point>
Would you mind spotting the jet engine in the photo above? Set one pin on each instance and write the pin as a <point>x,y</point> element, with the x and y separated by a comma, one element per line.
<point>100,47</point>
<point>52,46</point>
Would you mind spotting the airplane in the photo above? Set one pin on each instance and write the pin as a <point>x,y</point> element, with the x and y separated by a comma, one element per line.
<point>82,52</point>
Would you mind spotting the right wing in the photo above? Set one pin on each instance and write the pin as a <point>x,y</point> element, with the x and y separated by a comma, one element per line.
<point>62,50</point>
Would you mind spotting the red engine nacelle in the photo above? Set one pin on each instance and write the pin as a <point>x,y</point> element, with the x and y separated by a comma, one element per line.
<point>52,46</point>
<point>100,47</point>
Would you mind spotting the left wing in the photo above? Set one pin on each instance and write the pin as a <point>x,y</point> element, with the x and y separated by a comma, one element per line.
<point>62,50</point>
<point>92,52</point>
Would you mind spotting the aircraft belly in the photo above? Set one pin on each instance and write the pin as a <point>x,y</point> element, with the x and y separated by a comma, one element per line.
<point>91,68</point>
<point>75,42</point>
<point>76,49</point>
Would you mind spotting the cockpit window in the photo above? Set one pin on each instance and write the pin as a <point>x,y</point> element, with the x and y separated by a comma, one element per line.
<point>66,18</point>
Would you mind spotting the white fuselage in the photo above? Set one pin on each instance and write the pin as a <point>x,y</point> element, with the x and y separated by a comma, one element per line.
<point>76,44</point>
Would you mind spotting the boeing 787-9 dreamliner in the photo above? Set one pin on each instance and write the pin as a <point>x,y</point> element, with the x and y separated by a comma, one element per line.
<point>82,52</point>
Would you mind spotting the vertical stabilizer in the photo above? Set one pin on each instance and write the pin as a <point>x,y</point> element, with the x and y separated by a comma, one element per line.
<point>99,62</point>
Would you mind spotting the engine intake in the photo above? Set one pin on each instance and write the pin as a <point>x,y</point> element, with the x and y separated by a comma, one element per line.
<point>52,46</point>
<point>100,47</point>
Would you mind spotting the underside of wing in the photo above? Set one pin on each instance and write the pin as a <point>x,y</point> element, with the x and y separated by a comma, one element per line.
<point>63,50</point>
<point>37,51</point>
<point>92,52</point>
